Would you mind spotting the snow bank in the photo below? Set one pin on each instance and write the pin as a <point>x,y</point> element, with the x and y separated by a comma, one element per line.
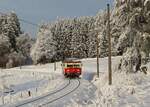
<point>127,90</point>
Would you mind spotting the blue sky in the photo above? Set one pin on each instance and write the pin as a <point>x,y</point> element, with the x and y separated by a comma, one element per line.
<point>38,11</point>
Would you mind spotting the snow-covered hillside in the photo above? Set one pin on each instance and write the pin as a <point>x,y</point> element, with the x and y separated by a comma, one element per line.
<point>127,90</point>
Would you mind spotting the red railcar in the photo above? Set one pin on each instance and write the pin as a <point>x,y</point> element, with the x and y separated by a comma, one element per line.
<point>72,68</point>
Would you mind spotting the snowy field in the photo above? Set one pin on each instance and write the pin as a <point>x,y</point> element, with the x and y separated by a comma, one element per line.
<point>16,83</point>
<point>127,90</point>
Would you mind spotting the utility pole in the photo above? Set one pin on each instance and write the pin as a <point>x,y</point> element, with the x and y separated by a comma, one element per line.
<point>143,6</point>
<point>97,56</point>
<point>54,63</point>
<point>109,40</point>
<point>55,66</point>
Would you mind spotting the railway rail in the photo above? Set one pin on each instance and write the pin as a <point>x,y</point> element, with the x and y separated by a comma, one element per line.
<point>62,95</point>
<point>49,101</point>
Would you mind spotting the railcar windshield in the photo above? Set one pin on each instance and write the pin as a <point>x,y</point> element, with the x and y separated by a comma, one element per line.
<point>70,66</point>
<point>73,66</point>
<point>76,66</point>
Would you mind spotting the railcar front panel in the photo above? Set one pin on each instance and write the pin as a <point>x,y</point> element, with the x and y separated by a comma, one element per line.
<point>72,69</point>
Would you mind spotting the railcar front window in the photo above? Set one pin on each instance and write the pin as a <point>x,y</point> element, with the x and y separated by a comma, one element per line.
<point>76,66</point>
<point>69,66</point>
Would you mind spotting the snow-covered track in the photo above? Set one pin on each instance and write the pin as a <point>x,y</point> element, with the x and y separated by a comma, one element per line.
<point>44,96</point>
<point>63,95</point>
<point>52,97</point>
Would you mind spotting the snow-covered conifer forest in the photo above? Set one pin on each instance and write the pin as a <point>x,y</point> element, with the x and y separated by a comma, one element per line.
<point>76,37</point>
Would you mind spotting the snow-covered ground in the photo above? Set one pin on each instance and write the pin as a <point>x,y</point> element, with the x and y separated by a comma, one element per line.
<point>128,90</point>
<point>15,84</point>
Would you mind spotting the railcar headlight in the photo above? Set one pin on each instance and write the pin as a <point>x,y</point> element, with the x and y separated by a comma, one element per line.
<point>78,70</point>
<point>67,70</point>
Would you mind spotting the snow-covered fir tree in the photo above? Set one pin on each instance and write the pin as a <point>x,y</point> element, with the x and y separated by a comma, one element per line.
<point>13,47</point>
<point>69,37</point>
<point>133,18</point>
<point>46,48</point>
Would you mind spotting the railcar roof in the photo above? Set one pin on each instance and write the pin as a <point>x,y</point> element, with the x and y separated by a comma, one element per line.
<point>71,60</point>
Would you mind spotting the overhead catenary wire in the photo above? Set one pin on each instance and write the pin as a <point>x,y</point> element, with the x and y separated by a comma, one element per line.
<point>23,20</point>
<point>28,22</point>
